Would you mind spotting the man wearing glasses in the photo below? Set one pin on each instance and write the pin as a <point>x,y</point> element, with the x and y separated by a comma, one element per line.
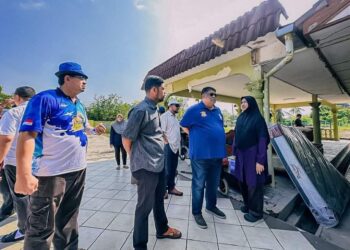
<point>205,125</point>
<point>171,128</point>
<point>53,133</point>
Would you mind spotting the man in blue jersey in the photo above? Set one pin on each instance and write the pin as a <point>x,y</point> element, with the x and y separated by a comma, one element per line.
<point>205,124</point>
<point>54,129</point>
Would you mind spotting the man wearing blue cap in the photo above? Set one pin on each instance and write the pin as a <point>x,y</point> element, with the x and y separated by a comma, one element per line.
<point>53,133</point>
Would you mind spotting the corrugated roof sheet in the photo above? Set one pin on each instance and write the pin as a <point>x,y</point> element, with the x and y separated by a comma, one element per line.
<point>248,27</point>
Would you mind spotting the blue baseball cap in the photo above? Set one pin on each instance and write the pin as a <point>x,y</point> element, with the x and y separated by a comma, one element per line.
<point>70,68</point>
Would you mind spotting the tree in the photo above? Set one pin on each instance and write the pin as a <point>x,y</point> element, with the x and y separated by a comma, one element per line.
<point>106,108</point>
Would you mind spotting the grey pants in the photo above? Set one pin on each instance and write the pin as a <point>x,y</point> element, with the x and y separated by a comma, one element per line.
<point>20,201</point>
<point>54,212</point>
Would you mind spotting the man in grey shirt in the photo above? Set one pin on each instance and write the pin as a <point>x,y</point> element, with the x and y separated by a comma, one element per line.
<point>143,140</point>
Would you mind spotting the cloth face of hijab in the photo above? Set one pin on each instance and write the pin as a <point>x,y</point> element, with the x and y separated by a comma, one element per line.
<point>250,126</point>
<point>119,127</point>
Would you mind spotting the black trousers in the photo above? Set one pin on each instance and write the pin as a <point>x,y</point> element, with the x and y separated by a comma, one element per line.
<point>117,150</point>
<point>171,162</point>
<point>54,212</point>
<point>253,198</point>
<point>20,201</point>
<point>150,191</point>
<point>7,206</point>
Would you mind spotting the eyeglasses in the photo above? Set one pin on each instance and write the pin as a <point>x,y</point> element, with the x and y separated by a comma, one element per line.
<point>79,77</point>
<point>177,105</point>
<point>212,94</point>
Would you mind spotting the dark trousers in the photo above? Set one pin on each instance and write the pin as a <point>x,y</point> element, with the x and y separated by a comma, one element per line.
<point>150,191</point>
<point>20,201</point>
<point>171,161</point>
<point>205,173</point>
<point>253,198</point>
<point>117,150</point>
<point>7,206</point>
<point>54,212</point>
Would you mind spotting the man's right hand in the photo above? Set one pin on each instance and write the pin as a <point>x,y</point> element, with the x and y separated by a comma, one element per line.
<point>26,185</point>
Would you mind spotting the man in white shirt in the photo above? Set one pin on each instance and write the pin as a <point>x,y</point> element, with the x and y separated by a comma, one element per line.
<point>9,125</point>
<point>171,128</point>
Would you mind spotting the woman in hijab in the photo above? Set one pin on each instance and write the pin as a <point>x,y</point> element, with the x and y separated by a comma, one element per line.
<point>117,130</point>
<point>250,149</point>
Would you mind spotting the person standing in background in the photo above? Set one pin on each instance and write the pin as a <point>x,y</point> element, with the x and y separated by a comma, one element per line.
<point>115,139</point>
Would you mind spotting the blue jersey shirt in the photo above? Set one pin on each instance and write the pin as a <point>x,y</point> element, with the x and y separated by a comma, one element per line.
<point>207,135</point>
<point>60,146</point>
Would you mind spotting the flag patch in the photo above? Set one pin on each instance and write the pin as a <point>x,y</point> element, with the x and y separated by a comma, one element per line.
<point>28,122</point>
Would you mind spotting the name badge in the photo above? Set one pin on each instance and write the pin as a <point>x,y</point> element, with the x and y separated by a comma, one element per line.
<point>203,114</point>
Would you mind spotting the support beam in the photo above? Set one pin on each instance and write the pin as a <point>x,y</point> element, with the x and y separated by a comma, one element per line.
<point>316,119</point>
<point>197,95</point>
<point>335,123</point>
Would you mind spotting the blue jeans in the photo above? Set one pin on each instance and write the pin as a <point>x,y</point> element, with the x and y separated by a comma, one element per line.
<point>205,173</point>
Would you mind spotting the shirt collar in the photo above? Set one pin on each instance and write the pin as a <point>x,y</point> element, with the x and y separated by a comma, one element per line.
<point>151,103</point>
<point>202,105</point>
<point>60,92</point>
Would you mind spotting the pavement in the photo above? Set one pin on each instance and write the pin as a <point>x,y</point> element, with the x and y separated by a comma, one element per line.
<point>107,214</point>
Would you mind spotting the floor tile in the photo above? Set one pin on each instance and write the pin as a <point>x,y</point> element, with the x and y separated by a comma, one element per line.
<point>261,238</point>
<point>129,208</point>
<point>180,184</point>
<point>292,240</point>
<point>110,240</point>
<point>128,244</point>
<point>232,247</point>
<point>87,236</point>
<point>200,245</point>
<point>224,203</point>
<point>100,219</point>
<point>84,215</point>
<point>231,234</point>
<point>199,234</point>
<point>94,203</point>
<point>91,192</point>
<point>114,206</point>
<point>107,194</point>
<point>178,212</point>
<point>231,217</point>
<point>180,200</point>
<point>169,244</point>
<point>124,195</point>
<point>123,222</point>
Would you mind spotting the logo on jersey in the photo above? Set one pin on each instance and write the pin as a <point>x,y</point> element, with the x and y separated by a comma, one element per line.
<point>203,114</point>
<point>78,122</point>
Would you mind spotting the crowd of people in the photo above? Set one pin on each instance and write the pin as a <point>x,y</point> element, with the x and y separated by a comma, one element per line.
<point>44,159</point>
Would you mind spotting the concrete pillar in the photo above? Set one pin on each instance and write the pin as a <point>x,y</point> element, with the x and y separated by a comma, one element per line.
<point>316,119</point>
<point>335,123</point>
<point>256,89</point>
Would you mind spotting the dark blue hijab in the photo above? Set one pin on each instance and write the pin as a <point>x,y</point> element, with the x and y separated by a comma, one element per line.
<point>250,126</point>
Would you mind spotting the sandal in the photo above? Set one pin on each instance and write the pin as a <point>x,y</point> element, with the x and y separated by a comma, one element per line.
<point>171,233</point>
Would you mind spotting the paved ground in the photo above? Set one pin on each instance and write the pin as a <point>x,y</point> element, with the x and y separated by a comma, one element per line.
<point>106,219</point>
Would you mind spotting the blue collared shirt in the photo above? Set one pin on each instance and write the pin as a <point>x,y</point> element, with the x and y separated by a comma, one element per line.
<point>207,135</point>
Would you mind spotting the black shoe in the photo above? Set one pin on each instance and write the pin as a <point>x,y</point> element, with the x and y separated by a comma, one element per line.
<point>216,212</point>
<point>252,218</point>
<point>244,209</point>
<point>11,237</point>
<point>200,221</point>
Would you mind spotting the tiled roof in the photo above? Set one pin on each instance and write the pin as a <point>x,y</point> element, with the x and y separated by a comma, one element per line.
<point>248,27</point>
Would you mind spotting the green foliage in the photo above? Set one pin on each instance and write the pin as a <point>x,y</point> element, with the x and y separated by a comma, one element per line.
<point>106,108</point>
<point>3,97</point>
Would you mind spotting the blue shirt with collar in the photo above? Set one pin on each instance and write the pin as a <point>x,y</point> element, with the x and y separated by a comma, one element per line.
<point>207,135</point>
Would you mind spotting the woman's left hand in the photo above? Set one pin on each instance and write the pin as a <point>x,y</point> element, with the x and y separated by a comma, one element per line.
<point>259,168</point>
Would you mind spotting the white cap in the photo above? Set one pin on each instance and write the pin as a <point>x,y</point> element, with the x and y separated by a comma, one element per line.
<point>173,102</point>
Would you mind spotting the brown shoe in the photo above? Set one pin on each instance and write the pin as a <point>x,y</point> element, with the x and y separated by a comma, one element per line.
<point>171,233</point>
<point>176,192</point>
